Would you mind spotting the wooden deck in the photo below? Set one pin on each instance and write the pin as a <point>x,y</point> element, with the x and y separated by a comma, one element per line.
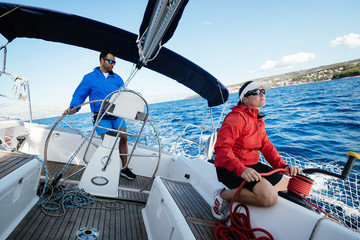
<point>54,168</point>
<point>10,161</point>
<point>194,208</point>
<point>125,222</point>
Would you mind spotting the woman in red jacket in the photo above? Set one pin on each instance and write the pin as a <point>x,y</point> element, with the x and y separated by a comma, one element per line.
<point>239,140</point>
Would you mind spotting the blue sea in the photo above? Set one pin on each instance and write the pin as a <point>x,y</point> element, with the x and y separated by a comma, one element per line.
<point>318,121</point>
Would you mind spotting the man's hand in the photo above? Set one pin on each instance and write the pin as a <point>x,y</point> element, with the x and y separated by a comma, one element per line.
<point>69,111</point>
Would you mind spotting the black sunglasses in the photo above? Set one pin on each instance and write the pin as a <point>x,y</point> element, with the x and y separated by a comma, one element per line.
<point>255,92</point>
<point>110,61</point>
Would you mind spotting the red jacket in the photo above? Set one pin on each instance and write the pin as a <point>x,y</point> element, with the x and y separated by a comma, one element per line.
<point>241,136</point>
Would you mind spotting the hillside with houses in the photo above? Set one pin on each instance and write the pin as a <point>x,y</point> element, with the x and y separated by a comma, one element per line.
<point>323,73</point>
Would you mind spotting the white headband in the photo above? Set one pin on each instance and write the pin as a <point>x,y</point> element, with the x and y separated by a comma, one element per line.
<point>254,85</point>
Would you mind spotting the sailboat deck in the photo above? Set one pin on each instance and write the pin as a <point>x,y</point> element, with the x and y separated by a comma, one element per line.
<point>194,208</point>
<point>126,222</point>
<point>123,222</point>
<point>10,161</point>
<point>74,172</point>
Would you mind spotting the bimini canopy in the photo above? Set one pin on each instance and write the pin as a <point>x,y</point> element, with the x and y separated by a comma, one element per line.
<point>18,21</point>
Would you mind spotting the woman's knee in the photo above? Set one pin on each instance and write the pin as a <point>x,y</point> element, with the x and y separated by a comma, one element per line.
<point>268,200</point>
<point>266,194</point>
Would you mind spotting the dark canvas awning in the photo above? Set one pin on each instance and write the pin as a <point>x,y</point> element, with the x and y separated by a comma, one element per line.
<point>18,21</point>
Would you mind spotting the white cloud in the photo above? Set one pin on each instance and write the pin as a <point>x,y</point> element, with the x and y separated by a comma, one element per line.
<point>269,64</point>
<point>208,23</point>
<point>351,40</point>
<point>288,61</point>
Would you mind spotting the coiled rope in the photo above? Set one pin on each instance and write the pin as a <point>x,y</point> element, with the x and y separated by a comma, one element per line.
<point>240,227</point>
<point>61,199</point>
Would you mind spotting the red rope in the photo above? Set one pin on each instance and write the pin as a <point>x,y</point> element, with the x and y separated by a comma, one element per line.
<point>240,227</point>
<point>300,184</point>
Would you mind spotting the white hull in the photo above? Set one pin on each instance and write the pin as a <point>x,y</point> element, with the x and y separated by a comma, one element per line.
<point>162,216</point>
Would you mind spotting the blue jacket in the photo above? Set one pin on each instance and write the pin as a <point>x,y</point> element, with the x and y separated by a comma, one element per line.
<point>95,86</point>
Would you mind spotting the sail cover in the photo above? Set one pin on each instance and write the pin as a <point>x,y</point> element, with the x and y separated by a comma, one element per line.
<point>149,12</point>
<point>19,21</point>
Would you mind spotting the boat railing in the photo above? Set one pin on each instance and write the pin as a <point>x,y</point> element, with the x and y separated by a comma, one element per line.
<point>21,85</point>
<point>204,140</point>
<point>199,141</point>
<point>5,117</point>
<point>339,198</point>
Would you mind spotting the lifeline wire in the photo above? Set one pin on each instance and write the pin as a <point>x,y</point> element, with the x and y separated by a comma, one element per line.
<point>132,74</point>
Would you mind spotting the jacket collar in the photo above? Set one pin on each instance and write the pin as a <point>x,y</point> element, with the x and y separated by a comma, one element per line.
<point>245,109</point>
<point>111,73</point>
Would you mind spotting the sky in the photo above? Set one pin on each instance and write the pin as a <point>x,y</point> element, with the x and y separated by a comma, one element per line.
<point>235,41</point>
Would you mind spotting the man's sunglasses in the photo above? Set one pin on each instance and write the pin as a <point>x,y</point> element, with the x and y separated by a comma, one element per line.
<point>255,92</point>
<point>110,61</point>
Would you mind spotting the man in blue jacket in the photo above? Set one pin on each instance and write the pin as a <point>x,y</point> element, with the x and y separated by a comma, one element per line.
<point>97,85</point>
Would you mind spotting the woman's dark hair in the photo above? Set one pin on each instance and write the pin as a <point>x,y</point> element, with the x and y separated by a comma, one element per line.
<point>242,89</point>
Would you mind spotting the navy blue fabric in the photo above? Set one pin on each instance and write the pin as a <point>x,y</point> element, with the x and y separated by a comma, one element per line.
<point>32,22</point>
<point>171,29</point>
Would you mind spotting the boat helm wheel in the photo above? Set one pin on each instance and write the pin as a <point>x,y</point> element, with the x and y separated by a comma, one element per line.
<point>54,179</point>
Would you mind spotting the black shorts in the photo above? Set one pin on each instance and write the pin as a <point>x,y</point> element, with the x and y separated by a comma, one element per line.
<point>232,181</point>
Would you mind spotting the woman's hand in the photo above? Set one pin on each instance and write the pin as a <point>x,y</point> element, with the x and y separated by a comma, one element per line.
<point>293,171</point>
<point>251,175</point>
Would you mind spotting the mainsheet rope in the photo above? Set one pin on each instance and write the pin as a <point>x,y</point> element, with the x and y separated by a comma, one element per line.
<point>240,227</point>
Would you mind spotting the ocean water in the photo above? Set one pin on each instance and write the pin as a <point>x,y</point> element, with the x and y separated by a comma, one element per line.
<point>318,121</point>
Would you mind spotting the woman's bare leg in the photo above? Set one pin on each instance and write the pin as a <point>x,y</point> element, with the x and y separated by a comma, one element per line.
<point>264,194</point>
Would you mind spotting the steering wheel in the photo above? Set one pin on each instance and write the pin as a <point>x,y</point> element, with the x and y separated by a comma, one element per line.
<point>61,119</point>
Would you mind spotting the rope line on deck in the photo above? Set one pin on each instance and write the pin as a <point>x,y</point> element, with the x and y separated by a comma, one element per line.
<point>62,199</point>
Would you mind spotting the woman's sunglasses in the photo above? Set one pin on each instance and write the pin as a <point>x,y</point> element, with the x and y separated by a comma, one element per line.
<point>255,92</point>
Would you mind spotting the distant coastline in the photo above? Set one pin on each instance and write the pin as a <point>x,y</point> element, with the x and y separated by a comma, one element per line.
<point>322,73</point>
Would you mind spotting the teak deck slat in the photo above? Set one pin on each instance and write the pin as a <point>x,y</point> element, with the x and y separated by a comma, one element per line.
<point>11,161</point>
<point>192,204</point>
<point>124,223</point>
<point>54,168</point>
